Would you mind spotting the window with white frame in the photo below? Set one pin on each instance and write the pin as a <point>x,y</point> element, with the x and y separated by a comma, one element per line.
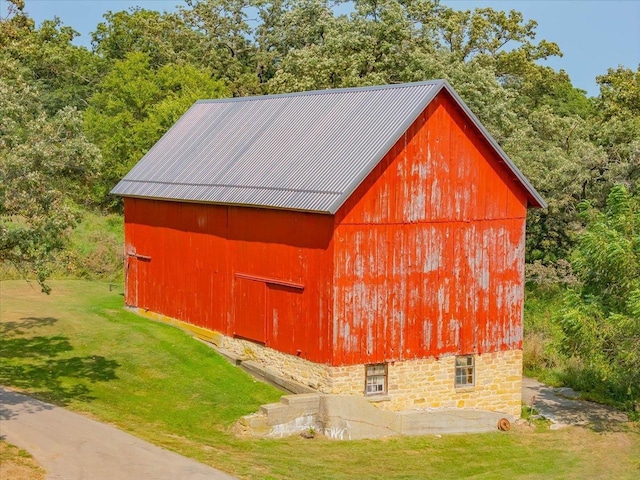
<point>376,379</point>
<point>465,371</point>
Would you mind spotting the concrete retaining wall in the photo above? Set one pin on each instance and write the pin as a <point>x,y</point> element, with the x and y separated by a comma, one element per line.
<point>343,417</point>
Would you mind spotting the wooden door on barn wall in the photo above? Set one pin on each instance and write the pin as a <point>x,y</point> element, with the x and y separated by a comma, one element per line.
<point>131,281</point>
<point>265,309</point>
<point>250,309</point>
<point>136,279</point>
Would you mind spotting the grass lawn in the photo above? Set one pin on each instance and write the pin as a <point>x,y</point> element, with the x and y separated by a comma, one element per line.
<point>79,348</point>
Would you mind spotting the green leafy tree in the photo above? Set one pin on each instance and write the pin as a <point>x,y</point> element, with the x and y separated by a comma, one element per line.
<point>44,163</point>
<point>227,47</point>
<point>601,320</point>
<point>616,127</point>
<point>65,74</point>
<point>163,37</point>
<point>209,34</point>
<point>135,105</point>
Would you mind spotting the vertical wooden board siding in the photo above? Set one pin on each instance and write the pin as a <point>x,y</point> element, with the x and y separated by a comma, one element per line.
<point>429,250</point>
<point>459,291</point>
<point>250,310</point>
<point>196,251</point>
<point>451,167</point>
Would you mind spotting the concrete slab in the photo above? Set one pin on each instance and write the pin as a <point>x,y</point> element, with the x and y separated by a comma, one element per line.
<point>345,417</point>
<point>450,421</point>
<point>72,447</point>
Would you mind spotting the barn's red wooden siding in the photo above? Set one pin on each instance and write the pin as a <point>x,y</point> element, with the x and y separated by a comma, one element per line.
<point>255,273</point>
<point>429,251</point>
<point>424,259</point>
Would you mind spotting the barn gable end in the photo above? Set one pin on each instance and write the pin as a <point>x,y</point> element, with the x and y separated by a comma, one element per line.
<point>429,250</point>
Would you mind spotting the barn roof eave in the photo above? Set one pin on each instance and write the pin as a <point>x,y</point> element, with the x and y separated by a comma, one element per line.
<point>225,204</point>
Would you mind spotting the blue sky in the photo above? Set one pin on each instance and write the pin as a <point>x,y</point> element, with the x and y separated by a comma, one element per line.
<point>593,35</point>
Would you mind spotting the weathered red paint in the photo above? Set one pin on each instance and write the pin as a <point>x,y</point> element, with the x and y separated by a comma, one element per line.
<point>424,259</point>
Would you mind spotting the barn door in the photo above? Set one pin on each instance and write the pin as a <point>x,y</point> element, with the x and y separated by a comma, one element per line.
<point>136,280</point>
<point>250,310</point>
<point>131,281</point>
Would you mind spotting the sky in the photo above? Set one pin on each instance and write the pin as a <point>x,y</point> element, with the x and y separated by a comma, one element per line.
<point>594,35</point>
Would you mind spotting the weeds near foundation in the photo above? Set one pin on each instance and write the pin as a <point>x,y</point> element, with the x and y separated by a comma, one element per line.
<point>309,433</point>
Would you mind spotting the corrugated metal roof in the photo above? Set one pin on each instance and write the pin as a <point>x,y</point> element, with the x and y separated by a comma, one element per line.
<point>302,151</point>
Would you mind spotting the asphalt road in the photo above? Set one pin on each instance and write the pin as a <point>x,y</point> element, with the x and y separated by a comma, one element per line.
<point>73,447</point>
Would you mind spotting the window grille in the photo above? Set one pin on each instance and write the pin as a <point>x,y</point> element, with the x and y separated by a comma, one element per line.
<point>376,379</point>
<point>465,371</point>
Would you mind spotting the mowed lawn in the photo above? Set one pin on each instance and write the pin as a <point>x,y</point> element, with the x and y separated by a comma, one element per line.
<point>80,349</point>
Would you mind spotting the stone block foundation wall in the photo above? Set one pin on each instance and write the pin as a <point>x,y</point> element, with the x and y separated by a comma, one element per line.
<point>308,373</point>
<point>426,383</point>
<point>414,384</point>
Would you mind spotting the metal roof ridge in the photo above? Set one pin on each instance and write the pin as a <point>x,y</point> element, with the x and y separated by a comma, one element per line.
<point>328,91</point>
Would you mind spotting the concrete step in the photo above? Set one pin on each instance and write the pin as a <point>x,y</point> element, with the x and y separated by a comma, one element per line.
<point>310,401</point>
<point>290,408</point>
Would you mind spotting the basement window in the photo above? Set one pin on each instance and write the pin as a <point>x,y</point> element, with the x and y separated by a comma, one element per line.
<point>376,379</point>
<point>465,371</point>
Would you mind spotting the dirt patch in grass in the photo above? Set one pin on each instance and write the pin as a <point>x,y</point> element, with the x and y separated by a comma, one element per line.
<point>17,464</point>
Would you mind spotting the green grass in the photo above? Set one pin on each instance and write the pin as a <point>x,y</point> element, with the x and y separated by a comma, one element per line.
<point>79,348</point>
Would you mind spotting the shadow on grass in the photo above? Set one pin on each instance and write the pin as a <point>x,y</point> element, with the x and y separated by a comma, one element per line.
<point>42,365</point>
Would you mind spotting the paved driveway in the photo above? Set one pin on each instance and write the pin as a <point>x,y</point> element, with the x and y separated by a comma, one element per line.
<point>563,408</point>
<point>72,447</point>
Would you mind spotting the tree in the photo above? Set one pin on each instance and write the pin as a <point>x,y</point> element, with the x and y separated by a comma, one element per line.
<point>617,125</point>
<point>64,74</point>
<point>163,37</point>
<point>601,320</point>
<point>44,161</point>
<point>227,47</point>
<point>135,105</point>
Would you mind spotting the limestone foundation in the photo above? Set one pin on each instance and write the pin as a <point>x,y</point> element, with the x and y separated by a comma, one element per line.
<point>413,384</point>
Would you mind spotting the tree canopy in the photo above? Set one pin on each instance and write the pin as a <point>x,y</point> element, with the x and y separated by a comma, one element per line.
<point>136,104</point>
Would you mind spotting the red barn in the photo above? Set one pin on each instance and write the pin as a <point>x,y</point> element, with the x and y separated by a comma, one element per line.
<point>365,241</point>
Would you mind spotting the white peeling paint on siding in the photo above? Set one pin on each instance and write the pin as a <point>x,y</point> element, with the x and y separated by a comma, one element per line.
<point>274,323</point>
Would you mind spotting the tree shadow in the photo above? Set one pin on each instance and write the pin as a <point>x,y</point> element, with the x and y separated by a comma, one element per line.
<point>25,323</point>
<point>41,364</point>
<point>13,404</point>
